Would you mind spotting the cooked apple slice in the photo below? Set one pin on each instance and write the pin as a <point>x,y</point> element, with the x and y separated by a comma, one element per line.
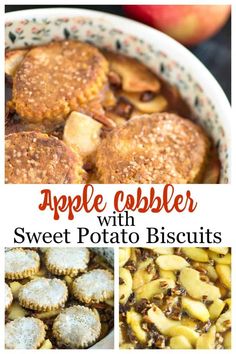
<point>196,253</point>
<point>219,250</point>
<point>13,59</point>
<point>118,120</point>
<point>124,254</point>
<point>180,342</point>
<point>224,273</point>
<point>228,302</point>
<point>190,279</point>
<point>224,322</point>
<point>222,288</point>
<point>68,280</point>
<point>158,318</point>
<point>211,272</point>
<point>171,262</point>
<point>141,277</point>
<point>16,311</point>
<point>135,77</point>
<point>226,259</point>
<point>207,340</point>
<point>196,309</point>
<point>144,264</point>
<point>125,289</point>
<point>227,340</point>
<point>185,331</point>
<point>46,344</point>
<point>15,288</point>
<point>154,287</point>
<point>162,250</point>
<point>82,133</point>
<point>127,346</point>
<point>216,308</point>
<point>48,314</point>
<point>167,274</point>
<point>189,322</point>
<point>134,319</point>
<point>155,105</point>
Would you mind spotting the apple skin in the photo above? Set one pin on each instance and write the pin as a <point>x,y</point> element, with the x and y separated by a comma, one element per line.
<point>188,24</point>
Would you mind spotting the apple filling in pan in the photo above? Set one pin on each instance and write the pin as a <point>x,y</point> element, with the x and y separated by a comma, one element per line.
<point>77,114</point>
<point>175,298</point>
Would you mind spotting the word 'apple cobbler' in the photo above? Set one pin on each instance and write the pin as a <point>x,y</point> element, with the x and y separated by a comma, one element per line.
<point>51,300</point>
<point>176,298</point>
<point>77,114</point>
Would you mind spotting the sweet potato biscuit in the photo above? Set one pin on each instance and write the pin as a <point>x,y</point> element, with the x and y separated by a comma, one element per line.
<point>33,157</point>
<point>24,333</point>
<point>54,79</point>
<point>77,327</point>
<point>67,261</point>
<point>8,297</point>
<point>43,294</point>
<point>94,286</point>
<point>20,263</point>
<point>157,148</point>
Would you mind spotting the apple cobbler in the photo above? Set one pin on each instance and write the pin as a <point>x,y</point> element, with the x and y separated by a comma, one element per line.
<point>77,114</point>
<point>175,298</point>
<point>57,298</point>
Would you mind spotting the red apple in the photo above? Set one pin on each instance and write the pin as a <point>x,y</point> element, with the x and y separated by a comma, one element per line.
<point>188,24</point>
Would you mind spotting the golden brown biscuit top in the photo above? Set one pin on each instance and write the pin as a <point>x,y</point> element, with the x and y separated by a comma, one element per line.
<point>157,148</point>
<point>54,79</point>
<point>32,157</point>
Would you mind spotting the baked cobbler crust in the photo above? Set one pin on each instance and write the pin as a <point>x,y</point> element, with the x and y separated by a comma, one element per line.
<point>33,157</point>
<point>24,333</point>
<point>54,79</point>
<point>84,96</point>
<point>77,327</point>
<point>20,263</point>
<point>94,286</point>
<point>157,148</point>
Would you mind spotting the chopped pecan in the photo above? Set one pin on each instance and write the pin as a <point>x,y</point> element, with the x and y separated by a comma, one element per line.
<point>149,268</point>
<point>130,265</point>
<point>201,269</point>
<point>121,281</point>
<point>204,277</point>
<point>163,284</point>
<point>131,299</point>
<point>160,342</point>
<point>227,323</point>
<point>123,108</point>
<point>114,79</point>
<point>147,96</point>
<point>204,326</point>
<point>142,306</point>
